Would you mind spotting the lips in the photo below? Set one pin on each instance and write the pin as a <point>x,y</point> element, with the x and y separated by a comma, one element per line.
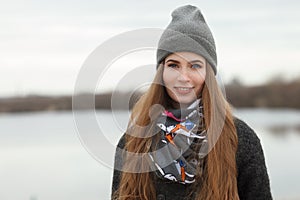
<point>183,90</point>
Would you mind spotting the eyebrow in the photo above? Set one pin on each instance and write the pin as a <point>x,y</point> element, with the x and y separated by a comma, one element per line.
<point>192,61</point>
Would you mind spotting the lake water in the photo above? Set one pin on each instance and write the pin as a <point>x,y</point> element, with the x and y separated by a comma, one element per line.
<point>42,156</point>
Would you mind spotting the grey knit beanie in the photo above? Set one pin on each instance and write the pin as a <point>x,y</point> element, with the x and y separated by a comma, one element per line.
<point>188,31</point>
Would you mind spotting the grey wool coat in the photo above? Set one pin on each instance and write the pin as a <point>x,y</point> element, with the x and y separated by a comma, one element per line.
<point>253,180</point>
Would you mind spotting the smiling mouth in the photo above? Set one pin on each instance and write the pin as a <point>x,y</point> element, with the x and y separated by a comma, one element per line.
<point>184,90</point>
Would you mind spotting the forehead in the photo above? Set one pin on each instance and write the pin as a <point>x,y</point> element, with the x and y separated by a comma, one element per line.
<point>185,56</point>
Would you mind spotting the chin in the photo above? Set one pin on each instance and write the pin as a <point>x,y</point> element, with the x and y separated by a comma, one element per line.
<point>185,101</point>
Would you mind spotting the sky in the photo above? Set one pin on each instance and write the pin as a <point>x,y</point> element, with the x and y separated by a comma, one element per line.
<point>44,44</point>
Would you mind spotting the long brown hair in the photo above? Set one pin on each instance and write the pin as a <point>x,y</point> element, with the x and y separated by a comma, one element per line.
<point>219,180</point>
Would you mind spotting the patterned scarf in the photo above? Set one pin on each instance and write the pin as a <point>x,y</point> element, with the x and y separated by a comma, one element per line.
<point>182,133</point>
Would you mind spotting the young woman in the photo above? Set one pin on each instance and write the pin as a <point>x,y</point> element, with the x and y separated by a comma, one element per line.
<point>182,140</point>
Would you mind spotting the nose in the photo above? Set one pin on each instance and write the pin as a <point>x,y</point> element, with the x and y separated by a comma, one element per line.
<point>183,74</point>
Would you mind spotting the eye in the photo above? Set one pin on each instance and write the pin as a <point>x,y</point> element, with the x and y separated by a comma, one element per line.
<point>172,65</point>
<point>195,66</point>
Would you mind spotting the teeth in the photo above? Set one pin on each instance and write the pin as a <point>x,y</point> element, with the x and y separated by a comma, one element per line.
<point>184,89</point>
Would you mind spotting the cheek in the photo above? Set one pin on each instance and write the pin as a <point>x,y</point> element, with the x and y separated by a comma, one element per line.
<point>198,78</point>
<point>168,77</point>
<point>168,82</point>
<point>199,81</point>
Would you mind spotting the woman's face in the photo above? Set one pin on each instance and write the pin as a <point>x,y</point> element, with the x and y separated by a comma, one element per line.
<point>184,75</point>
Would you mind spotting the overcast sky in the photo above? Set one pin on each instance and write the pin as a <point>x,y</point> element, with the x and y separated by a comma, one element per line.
<point>43,44</point>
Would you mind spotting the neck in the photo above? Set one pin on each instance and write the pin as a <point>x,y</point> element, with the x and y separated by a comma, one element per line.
<point>192,104</point>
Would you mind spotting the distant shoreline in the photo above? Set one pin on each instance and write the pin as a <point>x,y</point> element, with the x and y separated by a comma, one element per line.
<point>271,95</point>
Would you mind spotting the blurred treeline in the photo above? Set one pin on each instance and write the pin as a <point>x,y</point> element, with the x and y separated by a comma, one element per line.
<point>277,93</point>
<point>274,94</point>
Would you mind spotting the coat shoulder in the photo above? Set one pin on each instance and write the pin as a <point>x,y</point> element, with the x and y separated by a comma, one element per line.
<point>253,179</point>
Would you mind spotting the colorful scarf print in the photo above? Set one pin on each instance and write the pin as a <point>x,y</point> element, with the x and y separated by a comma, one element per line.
<point>176,155</point>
